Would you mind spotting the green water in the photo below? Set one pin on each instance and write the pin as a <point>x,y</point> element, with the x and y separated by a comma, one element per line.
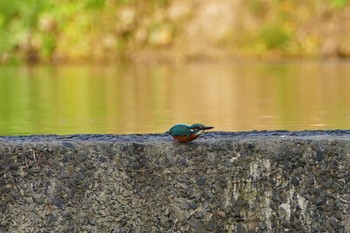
<point>151,98</point>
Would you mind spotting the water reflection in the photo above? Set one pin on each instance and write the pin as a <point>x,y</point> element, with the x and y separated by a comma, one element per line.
<point>150,98</point>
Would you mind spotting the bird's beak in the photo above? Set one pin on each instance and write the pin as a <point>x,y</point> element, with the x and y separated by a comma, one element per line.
<point>208,127</point>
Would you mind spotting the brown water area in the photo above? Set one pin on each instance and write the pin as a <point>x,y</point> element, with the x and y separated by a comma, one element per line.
<point>147,98</point>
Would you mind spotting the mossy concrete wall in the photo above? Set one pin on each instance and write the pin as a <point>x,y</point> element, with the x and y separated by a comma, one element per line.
<point>222,182</point>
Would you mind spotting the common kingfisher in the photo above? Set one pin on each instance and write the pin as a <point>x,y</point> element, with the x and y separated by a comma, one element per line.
<point>187,133</point>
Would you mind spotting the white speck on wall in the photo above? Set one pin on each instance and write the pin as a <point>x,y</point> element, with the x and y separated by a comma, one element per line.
<point>286,206</point>
<point>234,190</point>
<point>230,193</point>
<point>235,158</point>
<point>302,204</point>
<point>267,212</point>
<point>267,166</point>
<point>254,170</point>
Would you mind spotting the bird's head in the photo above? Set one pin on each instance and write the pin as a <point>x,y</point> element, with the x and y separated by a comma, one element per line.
<point>199,128</point>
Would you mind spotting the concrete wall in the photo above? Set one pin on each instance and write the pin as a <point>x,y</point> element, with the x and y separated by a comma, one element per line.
<point>223,182</point>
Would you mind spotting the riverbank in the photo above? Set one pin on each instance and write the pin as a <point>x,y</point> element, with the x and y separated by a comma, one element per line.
<point>222,182</point>
<point>172,31</point>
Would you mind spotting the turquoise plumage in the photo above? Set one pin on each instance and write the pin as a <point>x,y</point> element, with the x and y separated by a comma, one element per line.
<point>186,133</point>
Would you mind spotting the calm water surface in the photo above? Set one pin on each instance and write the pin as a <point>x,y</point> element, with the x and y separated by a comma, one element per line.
<point>151,98</point>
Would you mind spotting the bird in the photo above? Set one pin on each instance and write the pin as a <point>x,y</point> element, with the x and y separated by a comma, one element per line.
<point>187,133</point>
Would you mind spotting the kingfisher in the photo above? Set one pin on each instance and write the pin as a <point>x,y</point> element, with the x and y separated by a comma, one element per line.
<point>187,133</point>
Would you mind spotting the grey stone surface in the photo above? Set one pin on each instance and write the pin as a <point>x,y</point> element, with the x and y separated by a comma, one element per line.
<point>223,182</point>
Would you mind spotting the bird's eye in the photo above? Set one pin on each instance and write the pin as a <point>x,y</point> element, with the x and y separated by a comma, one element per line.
<point>191,130</point>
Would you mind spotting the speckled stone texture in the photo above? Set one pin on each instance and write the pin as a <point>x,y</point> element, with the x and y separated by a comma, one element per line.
<point>223,182</point>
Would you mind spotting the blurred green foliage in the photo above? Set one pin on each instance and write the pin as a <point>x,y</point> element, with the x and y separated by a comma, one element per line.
<point>36,30</point>
<point>274,37</point>
<point>33,25</point>
<point>339,3</point>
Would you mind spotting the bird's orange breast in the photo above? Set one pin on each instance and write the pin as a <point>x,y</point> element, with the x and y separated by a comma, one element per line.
<point>185,138</point>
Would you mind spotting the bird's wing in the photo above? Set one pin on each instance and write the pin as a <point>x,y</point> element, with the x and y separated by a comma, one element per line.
<point>180,130</point>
